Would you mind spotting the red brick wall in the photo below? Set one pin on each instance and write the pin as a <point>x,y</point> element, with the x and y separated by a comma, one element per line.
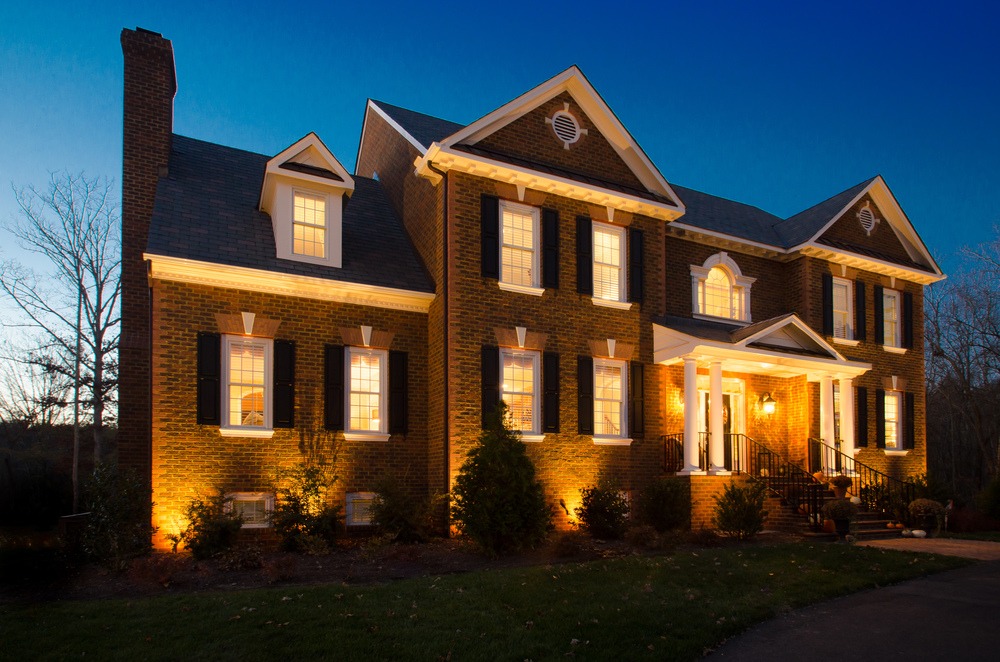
<point>148,117</point>
<point>190,460</point>
<point>882,239</point>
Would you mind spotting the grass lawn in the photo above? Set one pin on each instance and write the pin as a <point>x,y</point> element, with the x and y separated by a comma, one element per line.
<point>991,536</point>
<point>667,607</point>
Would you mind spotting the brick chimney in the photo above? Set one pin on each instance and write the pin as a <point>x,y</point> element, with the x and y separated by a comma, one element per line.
<point>150,85</point>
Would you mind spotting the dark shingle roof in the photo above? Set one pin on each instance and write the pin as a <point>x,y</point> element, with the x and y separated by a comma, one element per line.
<point>732,333</point>
<point>425,129</point>
<point>711,212</point>
<point>804,225</point>
<point>207,209</point>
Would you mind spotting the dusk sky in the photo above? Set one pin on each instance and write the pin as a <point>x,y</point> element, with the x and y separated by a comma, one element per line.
<point>776,104</point>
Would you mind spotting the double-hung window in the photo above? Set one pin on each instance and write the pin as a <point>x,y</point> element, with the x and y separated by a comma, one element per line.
<point>366,392</point>
<point>610,398</point>
<point>891,318</point>
<point>892,420</point>
<point>843,309</point>
<point>519,242</point>
<point>246,392</point>
<point>520,388</point>
<point>254,507</point>
<point>609,262</point>
<point>309,225</point>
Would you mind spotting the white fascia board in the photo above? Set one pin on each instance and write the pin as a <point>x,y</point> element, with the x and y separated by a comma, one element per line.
<point>837,256</point>
<point>680,224</point>
<point>449,159</point>
<point>197,272</point>
<point>314,141</point>
<point>372,106</point>
<point>797,323</point>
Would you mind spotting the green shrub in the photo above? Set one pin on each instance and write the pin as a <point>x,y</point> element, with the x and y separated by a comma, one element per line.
<point>739,512</point>
<point>212,529</point>
<point>118,528</point>
<point>839,509</point>
<point>404,518</point>
<point>303,517</point>
<point>498,502</point>
<point>665,504</point>
<point>603,511</point>
<point>989,499</point>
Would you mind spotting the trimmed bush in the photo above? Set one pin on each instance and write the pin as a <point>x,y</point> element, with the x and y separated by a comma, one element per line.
<point>212,527</point>
<point>118,528</point>
<point>404,518</point>
<point>498,502</point>
<point>665,504</point>
<point>603,511</point>
<point>739,511</point>
<point>303,517</point>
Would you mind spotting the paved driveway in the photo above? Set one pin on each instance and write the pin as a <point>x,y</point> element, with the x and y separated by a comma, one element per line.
<point>953,615</point>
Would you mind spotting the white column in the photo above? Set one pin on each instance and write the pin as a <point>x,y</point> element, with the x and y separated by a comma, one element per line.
<point>847,417</point>
<point>826,427</point>
<point>716,442</point>
<point>691,463</point>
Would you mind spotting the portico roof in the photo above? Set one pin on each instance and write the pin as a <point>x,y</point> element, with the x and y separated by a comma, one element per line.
<point>783,346</point>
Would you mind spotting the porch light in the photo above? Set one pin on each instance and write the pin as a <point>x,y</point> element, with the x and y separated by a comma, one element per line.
<point>767,403</point>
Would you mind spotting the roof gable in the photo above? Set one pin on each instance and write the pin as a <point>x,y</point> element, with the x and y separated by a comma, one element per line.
<point>310,160</point>
<point>785,333</point>
<point>578,91</point>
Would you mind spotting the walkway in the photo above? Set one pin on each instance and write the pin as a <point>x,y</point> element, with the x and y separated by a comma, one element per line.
<point>951,615</point>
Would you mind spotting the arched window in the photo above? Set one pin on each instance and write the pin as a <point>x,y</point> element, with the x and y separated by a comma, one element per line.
<point>719,289</point>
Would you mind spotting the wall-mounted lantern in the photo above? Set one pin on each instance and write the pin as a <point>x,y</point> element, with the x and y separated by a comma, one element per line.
<point>767,403</point>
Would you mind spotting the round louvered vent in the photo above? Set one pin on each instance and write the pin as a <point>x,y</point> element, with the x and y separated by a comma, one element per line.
<point>867,218</point>
<point>566,128</point>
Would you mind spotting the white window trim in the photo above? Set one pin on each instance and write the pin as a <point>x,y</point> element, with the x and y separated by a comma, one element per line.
<point>326,226</point>
<point>535,288</point>
<point>606,439</point>
<point>226,429</point>
<point>897,339</point>
<point>849,325</point>
<point>283,221</point>
<point>268,497</point>
<point>744,283</point>
<point>621,301</point>
<point>367,435</point>
<point>350,498</point>
<point>535,432</point>
<point>898,441</point>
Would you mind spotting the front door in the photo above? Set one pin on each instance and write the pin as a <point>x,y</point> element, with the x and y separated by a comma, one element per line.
<point>732,412</point>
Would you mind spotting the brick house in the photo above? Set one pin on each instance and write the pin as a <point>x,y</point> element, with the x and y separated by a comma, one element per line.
<point>276,306</point>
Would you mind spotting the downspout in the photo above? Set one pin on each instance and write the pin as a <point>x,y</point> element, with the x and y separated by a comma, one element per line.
<point>445,294</point>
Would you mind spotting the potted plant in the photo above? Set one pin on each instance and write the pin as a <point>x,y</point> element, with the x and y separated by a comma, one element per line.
<point>839,485</point>
<point>841,511</point>
<point>926,514</point>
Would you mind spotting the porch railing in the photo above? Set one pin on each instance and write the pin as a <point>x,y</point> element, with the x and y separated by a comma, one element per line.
<point>673,452</point>
<point>879,492</point>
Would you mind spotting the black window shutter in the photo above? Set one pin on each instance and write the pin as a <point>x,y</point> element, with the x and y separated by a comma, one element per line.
<point>584,256</point>
<point>880,418</point>
<point>491,381</point>
<point>861,418</point>
<point>827,304</point>
<point>490,207</point>
<point>209,373</point>
<point>284,384</point>
<point>636,396</point>
<point>333,387</point>
<point>907,320</point>
<point>908,426</point>
<point>399,392</point>
<point>635,265</point>
<point>550,248</point>
<point>550,389</point>
<point>878,304</point>
<point>859,310</point>
<point>585,394</point>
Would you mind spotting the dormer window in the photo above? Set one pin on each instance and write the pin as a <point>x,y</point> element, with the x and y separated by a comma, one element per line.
<point>304,191</point>
<point>309,225</point>
<point>720,290</point>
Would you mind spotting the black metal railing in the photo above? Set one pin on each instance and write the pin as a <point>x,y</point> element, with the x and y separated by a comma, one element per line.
<point>673,452</point>
<point>879,492</point>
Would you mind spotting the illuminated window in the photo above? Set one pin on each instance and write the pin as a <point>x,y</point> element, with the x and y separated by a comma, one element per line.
<point>245,390</point>
<point>359,508</point>
<point>609,262</point>
<point>519,388</point>
<point>519,254</point>
<point>890,318</point>
<point>254,507</point>
<point>610,390</point>
<point>309,225</point>
<point>720,290</point>
<point>843,309</point>
<point>892,422</point>
<point>366,393</point>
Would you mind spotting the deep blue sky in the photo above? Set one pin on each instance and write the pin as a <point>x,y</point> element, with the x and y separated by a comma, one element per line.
<point>777,104</point>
